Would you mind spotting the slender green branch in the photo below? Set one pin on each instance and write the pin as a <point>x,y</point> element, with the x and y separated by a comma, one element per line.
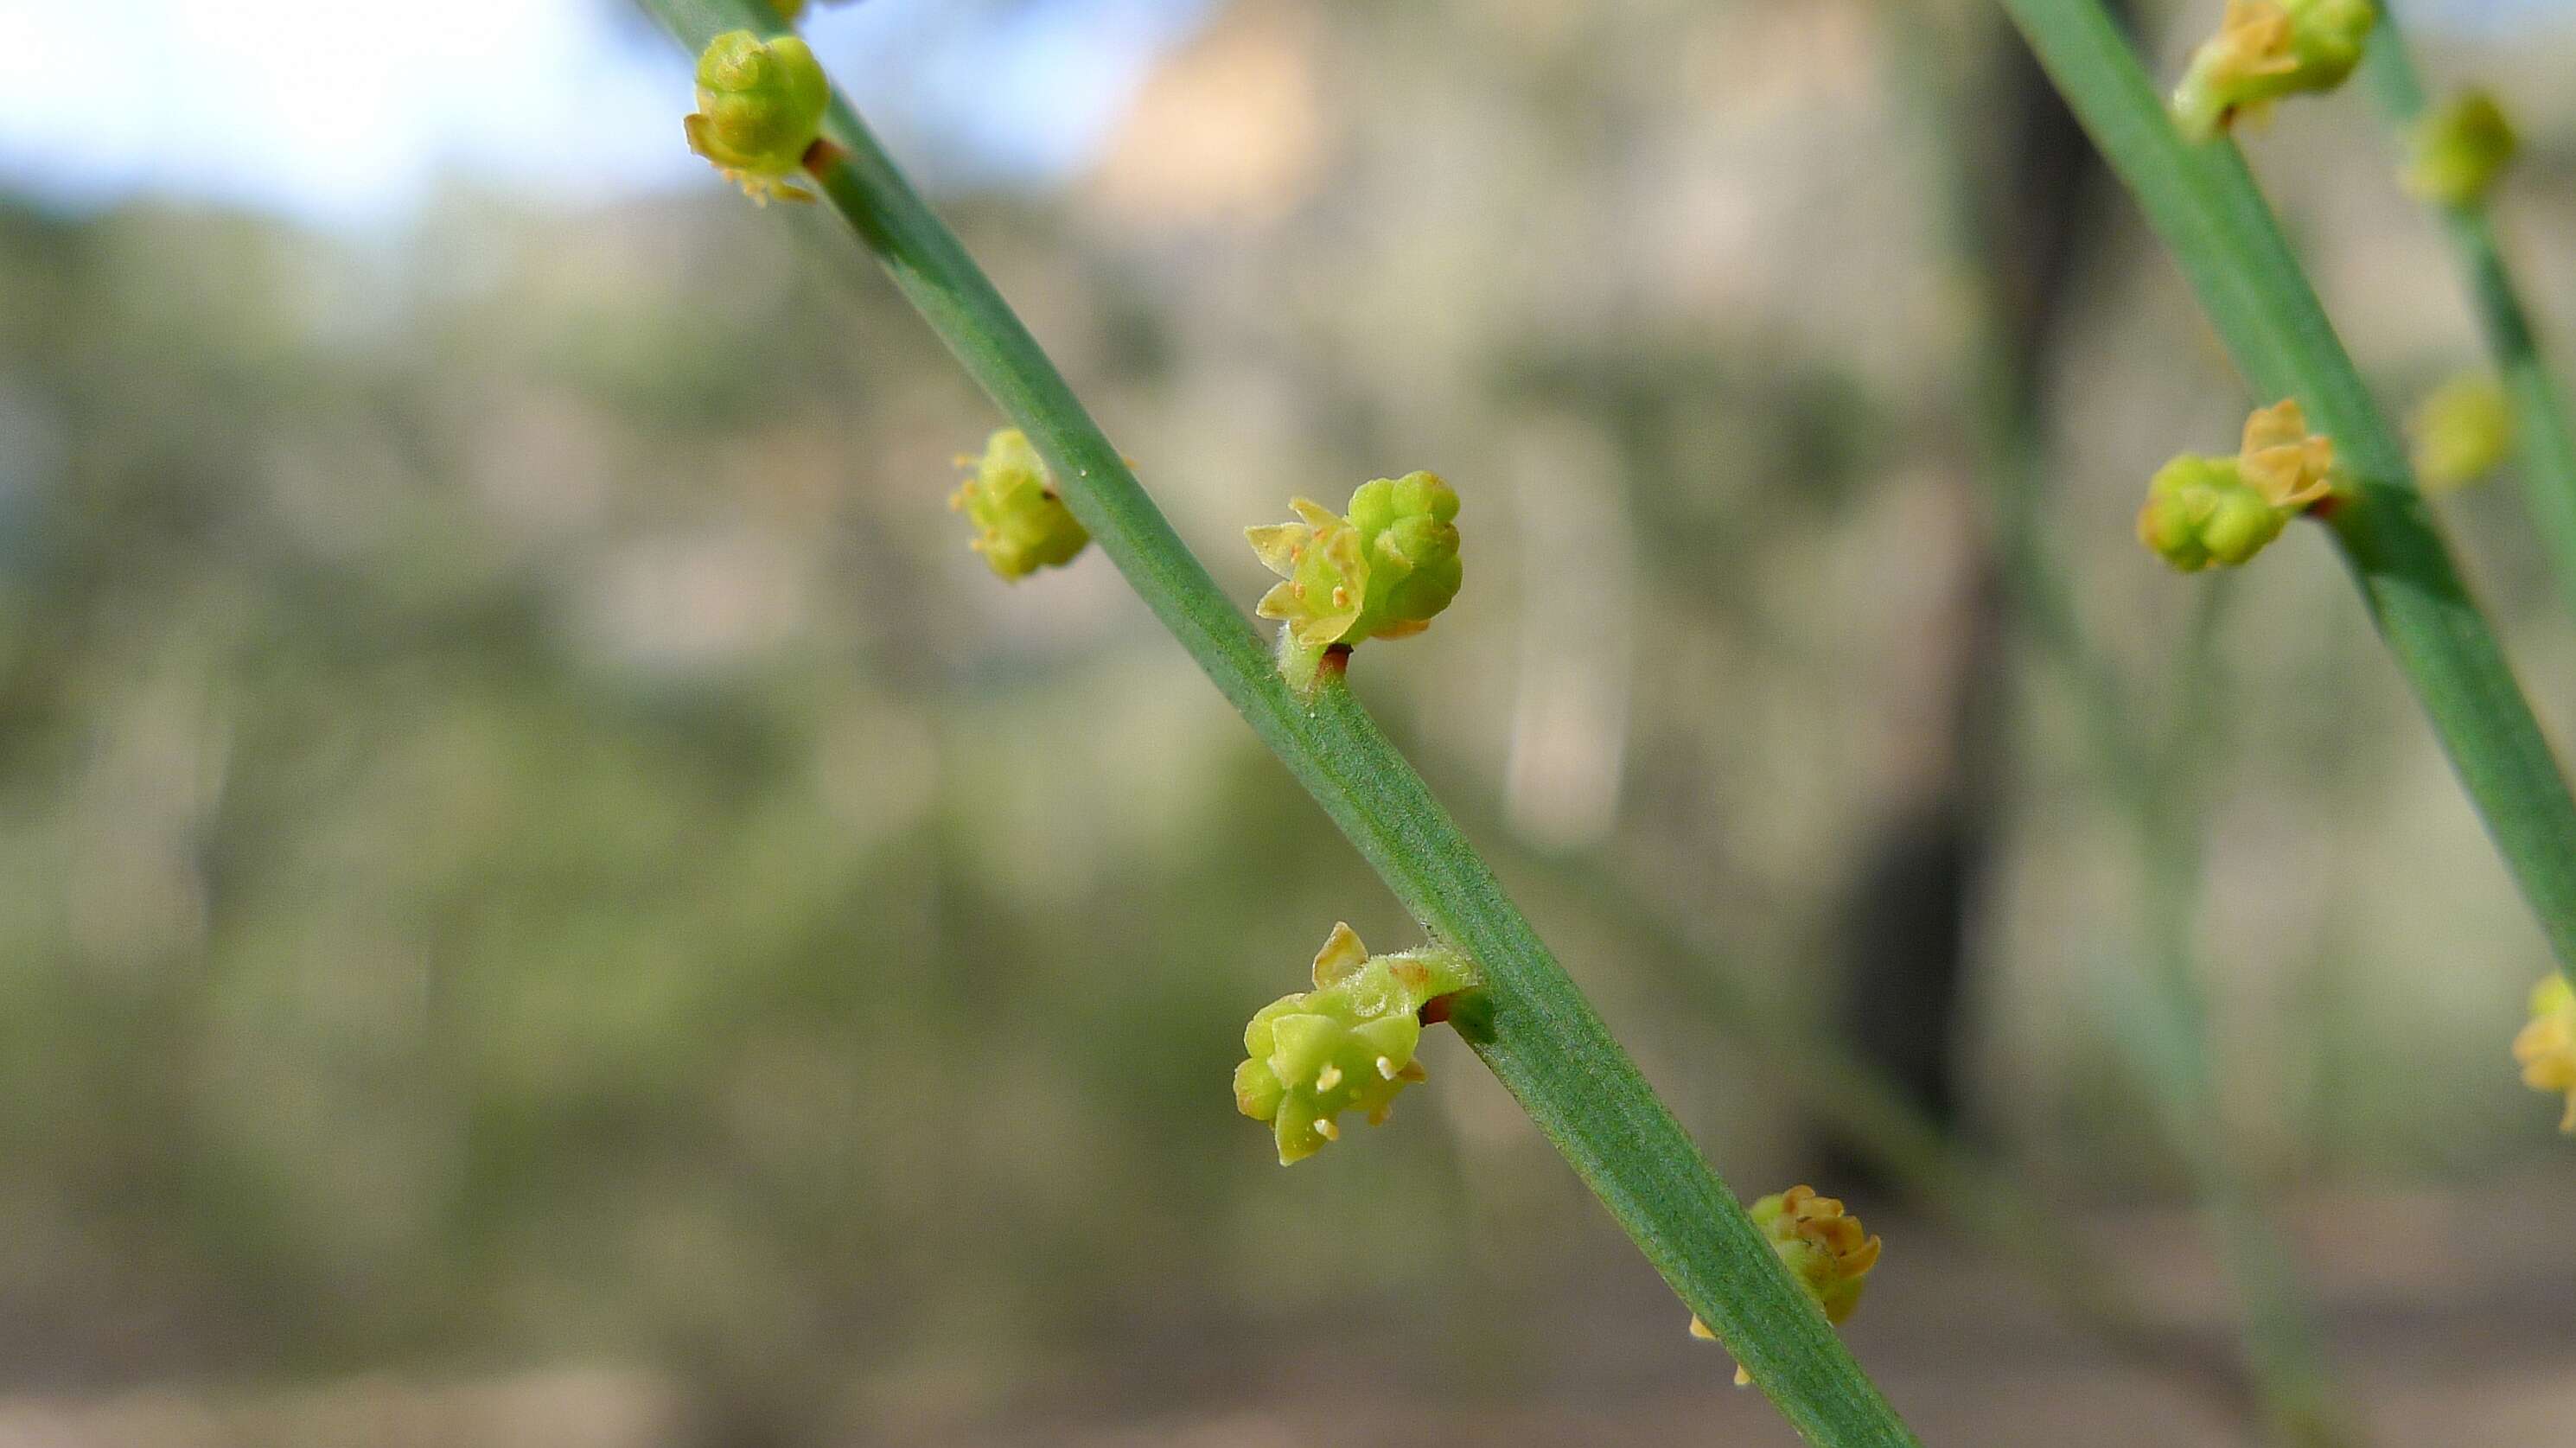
<point>2284,1341</point>
<point>2151,786</point>
<point>2203,203</point>
<point>2284,1344</point>
<point>1543,1039</point>
<point>2539,402</point>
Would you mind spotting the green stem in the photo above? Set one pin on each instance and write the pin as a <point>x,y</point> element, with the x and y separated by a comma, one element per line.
<point>1542,1038</point>
<point>2203,203</point>
<point>2169,1030</point>
<point>2284,1343</point>
<point>2154,789</point>
<point>2539,402</point>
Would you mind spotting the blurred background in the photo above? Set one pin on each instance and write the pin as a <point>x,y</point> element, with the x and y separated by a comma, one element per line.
<point>550,900</point>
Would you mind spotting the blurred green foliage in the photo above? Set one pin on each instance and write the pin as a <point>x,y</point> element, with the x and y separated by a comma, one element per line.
<point>529,835</point>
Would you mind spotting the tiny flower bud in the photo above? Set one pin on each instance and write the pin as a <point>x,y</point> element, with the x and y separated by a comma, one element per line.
<point>760,108</point>
<point>1346,1045</point>
<point>2456,153</point>
<point>1021,524</point>
<point>1383,571</point>
<point>2462,429</point>
<point>2546,1046</point>
<point>2267,49</point>
<point>2203,510</point>
<point>1826,1250</point>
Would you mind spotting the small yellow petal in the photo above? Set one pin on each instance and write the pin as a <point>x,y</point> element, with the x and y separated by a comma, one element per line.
<point>1280,602</point>
<point>2282,422</point>
<point>1316,633</point>
<point>1278,544</point>
<point>1342,954</point>
<point>1318,517</point>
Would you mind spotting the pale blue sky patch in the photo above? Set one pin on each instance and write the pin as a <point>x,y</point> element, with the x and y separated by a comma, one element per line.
<point>355,118</point>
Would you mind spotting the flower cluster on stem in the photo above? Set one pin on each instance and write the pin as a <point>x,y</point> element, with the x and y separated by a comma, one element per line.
<point>2461,431</point>
<point>760,109</point>
<point>2204,511</point>
<point>1383,569</point>
<point>2265,50</point>
<point>1346,1045</point>
<point>1824,1247</point>
<point>2456,153</point>
<point>1021,522</point>
<point>2546,1046</point>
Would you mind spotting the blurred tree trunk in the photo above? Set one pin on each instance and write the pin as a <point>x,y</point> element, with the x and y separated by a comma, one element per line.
<point>1912,906</point>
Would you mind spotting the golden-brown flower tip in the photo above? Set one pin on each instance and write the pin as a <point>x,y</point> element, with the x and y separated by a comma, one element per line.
<point>2202,511</point>
<point>1824,1247</point>
<point>2546,1046</point>
<point>2289,465</point>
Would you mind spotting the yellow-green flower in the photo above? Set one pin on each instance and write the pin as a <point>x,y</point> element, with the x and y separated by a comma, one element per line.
<point>2202,511</point>
<point>1380,571</point>
<point>1346,1045</point>
<point>2267,49</point>
<point>2546,1046</point>
<point>1826,1249</point>
<point>1021,523</point>
<point>760,109</point>
<point>2456,153</point>
<point>2461,430</point>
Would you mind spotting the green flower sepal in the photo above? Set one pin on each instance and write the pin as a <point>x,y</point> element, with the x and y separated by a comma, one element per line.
<point>1383,570</point>
<point>1346,1045</point>
<point>2265,50</point>
<point>1021,522</point>
<point>760,109</point>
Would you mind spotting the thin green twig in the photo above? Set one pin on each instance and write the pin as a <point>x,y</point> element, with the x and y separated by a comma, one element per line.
<point>2203,203</point>
<point>2151,785</point>
<point>1543,1039</point>
<point>2539,402</point>
<point>2284,1340</point>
